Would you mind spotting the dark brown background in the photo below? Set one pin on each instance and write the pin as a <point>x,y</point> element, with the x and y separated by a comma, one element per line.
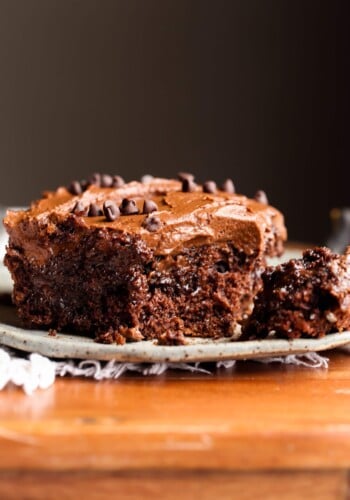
<point>255,90</point>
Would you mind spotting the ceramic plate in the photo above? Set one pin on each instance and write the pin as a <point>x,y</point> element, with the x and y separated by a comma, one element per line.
<point>64,345</point>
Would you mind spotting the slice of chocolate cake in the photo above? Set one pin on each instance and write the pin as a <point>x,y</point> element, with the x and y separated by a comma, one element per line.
<point>307,297</point>
<point>158,259</point>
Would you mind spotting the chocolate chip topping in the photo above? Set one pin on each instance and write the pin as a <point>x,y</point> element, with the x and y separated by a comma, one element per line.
<point>117,181</point>
<point>75,188</point>
<point>128,207</point>
<point>152,223</point>
<point>188,186</point>
<point>149,206</point>
<point>228,186</point>
<point>209,187</point>
<point>79,209</point>
<point>106,180</point>
<point>185,176</point>
<point>111,210</point>
<point>94,210</point>
<point>95,179</point>
<point>261,197</point>
<point>84,184</point>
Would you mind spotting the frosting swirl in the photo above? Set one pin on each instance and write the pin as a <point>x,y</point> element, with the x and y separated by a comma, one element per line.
<point>185,218</point>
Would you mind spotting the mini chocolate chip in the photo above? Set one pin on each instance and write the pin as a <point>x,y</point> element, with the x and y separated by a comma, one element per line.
<point>152,223</point>
<point>79,209</point>
<point>209,187</point>
<point>185,176</point>
<point>124,202</point>
<point>117,181</point>
<point>111,210</point>
<point>188,186</point>
<point>106,180</point>
<point>228,186</point>
<point>94,210</point>
<point>84,184</point>
<point>95,179</point>
<point>128,207</point>
<point>149,206</point>
<point>75,188</point>
<point>261,197</point>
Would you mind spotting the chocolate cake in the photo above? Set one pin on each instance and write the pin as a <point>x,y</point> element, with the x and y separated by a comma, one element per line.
<point>307,297</point>
<point>159,259</point>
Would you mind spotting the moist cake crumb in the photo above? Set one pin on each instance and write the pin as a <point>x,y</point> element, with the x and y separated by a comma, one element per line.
<point>307,297</point>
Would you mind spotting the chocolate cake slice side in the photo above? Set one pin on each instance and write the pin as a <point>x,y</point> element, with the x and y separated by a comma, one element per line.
<point>163,265</point>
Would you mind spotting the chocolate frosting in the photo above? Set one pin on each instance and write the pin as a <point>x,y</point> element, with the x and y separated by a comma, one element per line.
<point>186,219</point>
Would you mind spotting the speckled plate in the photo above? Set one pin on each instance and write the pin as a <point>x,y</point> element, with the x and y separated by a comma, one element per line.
<point>73,346</point>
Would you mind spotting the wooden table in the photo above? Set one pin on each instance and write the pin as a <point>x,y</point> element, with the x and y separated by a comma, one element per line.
<point>254,431</point>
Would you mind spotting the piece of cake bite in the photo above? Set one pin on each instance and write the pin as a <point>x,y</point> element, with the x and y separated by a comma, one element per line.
<point>307,297</point>
<point>160,259</point>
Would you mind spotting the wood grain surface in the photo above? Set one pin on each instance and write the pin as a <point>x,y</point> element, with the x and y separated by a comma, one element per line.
<point>330,485</point>
<point>271,428</point>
